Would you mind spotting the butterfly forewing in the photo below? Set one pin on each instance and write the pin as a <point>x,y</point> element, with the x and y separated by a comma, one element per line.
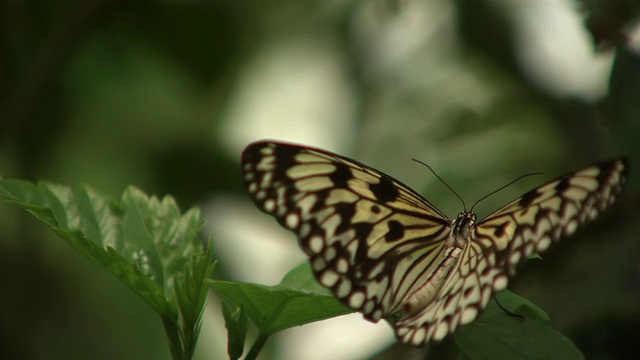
<point>369,238</point>
<point>387,252</point>
<point>531,223</point>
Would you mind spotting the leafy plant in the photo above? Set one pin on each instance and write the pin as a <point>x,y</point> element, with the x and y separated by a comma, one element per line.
<point>142,240</point>
<point>156,251</point>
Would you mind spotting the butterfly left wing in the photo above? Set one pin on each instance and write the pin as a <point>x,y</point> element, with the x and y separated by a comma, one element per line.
<point>370,239</point>
<point>525,226</point>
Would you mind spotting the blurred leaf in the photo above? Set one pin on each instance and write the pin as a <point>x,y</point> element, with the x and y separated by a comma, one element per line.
<point>608,21</point>
<point>213,23</point>
<point>145,242</point>
<point>236,324</point>
<point>624,108</point>
<point>484,28</point>
<point>192,171</point>
<point>496,334</point>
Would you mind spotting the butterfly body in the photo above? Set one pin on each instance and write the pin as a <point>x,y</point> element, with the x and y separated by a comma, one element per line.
<point>463,226</point>
<point>387,252</point>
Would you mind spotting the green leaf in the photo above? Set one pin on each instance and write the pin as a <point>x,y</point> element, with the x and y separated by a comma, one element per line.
<point>526,333</point>
<point>142,240</point>
<point>293,302</point>
<point>297,300</point>
<point>301,278</point>
<point>236,324</point>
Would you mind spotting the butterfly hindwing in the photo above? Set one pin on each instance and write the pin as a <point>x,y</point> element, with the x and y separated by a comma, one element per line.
<point>387,252</point>
<point>465,292</point>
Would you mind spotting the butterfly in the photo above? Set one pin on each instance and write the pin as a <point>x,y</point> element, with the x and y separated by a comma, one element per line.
<point>385,251</point>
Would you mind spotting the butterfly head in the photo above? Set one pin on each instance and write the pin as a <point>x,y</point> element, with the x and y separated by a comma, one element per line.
<point>464,224</point>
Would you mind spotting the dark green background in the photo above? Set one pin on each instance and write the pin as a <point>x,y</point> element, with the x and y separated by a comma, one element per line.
<point>113,93</point>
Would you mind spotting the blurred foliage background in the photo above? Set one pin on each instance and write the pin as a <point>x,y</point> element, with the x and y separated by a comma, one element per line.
<point>165,94</point>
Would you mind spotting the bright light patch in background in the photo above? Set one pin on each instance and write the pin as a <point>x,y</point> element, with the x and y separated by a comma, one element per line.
<point>296,90</point>
<point>311,341</point>
<point>390,44</point>
<point>634,39</point>
<point>254,248</point>
<point>556,50</point>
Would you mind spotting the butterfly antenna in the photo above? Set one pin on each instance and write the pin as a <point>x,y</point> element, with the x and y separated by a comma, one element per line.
<point>501,188</point>
<point>444,182</point>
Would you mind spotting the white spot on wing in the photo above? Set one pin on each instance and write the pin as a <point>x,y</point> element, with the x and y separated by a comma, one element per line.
<point>269,205</point>
<point>418,336</point>
<point>266,180</point>
<point>318,264</point>
<point>316,244</point>
<point>571,227</point>
<point>329,278</point>
<point>304,231</point>
<point>301,171</point>
<point>469,315</point>
<point>590,172</point>
<point>331,224</point>
<point>292,220</point>
<point>342,265</point>
<point>500,282</point>
<point>441,331</point>
<point>544,243</point>
<point>515,258</point>
<point>575,194</point>
<point>330,254</point>
<point>341,196</point>
<point>315,183</point>
<point>486,296</point>
<point>356,299</point>
<point>344,288</point>
<point>368,307</point>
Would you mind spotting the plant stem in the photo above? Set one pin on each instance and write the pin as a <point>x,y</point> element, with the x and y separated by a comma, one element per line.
<point>257,346</point>
<point>175,344</point>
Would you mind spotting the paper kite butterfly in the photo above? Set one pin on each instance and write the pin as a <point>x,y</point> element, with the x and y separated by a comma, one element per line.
<point>385,251</point>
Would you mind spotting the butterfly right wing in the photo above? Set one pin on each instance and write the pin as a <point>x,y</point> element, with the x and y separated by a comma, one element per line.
<point>531,223</point>
<point>526,225</point>
<point>370,239</point>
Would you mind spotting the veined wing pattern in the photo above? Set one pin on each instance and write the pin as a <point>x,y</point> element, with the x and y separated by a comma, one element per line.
<point>386,252</point>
